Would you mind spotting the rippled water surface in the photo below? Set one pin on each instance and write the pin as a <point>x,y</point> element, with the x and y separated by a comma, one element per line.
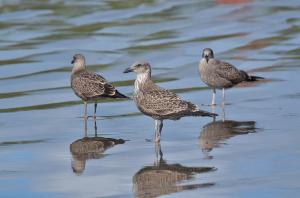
<point>45,150</point>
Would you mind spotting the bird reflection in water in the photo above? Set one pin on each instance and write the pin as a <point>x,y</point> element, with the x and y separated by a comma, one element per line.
<point>163,178</point>
<point>88,148</point>
<point>215,133</point>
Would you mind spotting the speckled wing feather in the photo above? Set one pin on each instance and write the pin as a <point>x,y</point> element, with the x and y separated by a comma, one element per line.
<point>163,103</point>
<point>91,85</point>
<point>229,72</point>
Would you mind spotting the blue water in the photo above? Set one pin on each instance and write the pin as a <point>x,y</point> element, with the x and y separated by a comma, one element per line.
<point>40,116</point>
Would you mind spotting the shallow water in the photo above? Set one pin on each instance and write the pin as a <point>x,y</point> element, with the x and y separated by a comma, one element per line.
<point>40,117</point>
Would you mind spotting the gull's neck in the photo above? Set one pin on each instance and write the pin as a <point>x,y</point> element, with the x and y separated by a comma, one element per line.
<point>203,61</point>
<point>141,79</point>
<point>78,67</point>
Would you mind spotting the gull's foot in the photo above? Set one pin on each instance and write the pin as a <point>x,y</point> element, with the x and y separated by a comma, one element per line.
<point>87,117</point>
<point>223,104</point>
<point>209,105</point>
<point>156,140</point>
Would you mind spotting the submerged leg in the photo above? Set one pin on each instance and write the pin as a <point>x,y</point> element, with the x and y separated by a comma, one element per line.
<point>158,128</point>
<point>223,97</point>
<point>85,127</point>
<point>213,102</point>
<point>223,113</point>
<point>213,110</point>
<point>95,110</point>
<point>95,127</point>
<point>85,110</point>
<point>158,153</point>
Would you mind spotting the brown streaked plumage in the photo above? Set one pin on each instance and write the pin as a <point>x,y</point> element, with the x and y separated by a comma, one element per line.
<point>220,75</point>
<point>159,103</point>
<point>90,86</point>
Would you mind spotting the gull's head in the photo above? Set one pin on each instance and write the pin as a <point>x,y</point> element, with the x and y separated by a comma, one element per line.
<point>78,59</point>
<point>207,54</point>
<point>139,67</point>
<point>79,63</point>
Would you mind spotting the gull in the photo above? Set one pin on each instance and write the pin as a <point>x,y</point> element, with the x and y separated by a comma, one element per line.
<point>90,86</point>
<point>159,103</point>
<point>220,75</point>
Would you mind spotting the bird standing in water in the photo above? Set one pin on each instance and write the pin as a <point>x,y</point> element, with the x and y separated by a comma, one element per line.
<point>220,75</point>
<point>159,103</point>
<point>90,86</point>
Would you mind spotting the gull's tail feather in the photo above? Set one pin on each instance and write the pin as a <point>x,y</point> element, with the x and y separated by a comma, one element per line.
<point>203,113</point>
<point>248,77</point>
<point>194,110</point>
<point>255,78</point>
<point>119,95</point>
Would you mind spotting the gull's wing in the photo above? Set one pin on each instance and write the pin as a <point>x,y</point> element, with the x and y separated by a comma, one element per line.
<point>92,85</point>
<point>229,72</point>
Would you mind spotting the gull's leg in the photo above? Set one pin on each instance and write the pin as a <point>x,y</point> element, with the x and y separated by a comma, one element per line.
<point>158,128</point>
<point>213,109</point>
<point>85,110</point>
<point>85,126</point>
<point>158,153</point>
<point>223,113</point>
<point>223,97</point>
<point>213,102</point>
<point>95,110</point>
<point>95,127</point>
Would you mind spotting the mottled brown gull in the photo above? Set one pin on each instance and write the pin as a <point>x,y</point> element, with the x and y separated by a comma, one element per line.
<point>159,103</point>
<point>90,86</point>
<point>220,75</point>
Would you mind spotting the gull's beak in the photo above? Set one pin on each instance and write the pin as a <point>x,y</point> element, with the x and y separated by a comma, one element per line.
<point>127,70</point>
<point>72,62</point>
<point>206,58</point>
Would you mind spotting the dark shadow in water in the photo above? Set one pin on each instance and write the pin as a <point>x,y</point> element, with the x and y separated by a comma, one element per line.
<point>163,178</point>
<point>8,143</point>
<point>88,148</point>
<point>215,133</point>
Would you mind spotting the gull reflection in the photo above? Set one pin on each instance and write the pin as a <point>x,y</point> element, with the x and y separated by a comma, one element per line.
<point>163,178</point>
<point>88,148</point>
<point>215,133</point>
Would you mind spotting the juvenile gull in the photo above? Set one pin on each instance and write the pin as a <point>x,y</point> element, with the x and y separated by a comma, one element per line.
<point>220,75</point>
<point>90,86</point>
<point>159,103</point>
